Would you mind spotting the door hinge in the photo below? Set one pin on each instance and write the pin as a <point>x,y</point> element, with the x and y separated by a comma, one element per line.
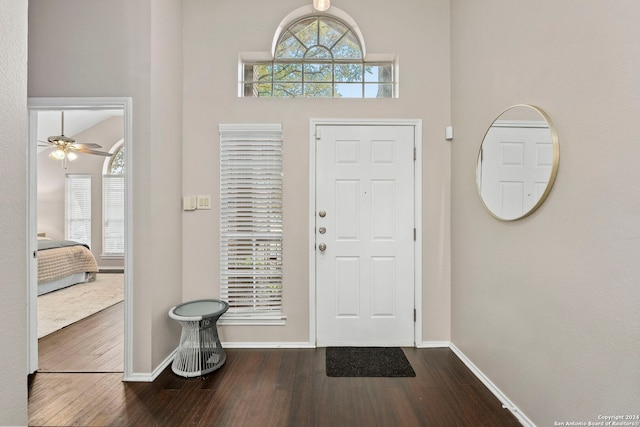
<point>415,154</point>
<point>414,315</point>
<point>318,133</point>
<point>415,234</point>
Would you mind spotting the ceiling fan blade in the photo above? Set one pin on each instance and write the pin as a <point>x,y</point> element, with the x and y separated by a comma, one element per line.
<point>85,145</point>
<point>88,151</point>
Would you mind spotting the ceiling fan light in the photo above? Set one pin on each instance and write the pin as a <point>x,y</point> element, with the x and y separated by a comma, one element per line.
<point>71,155</point>
<point>321,5</point>
<point>57,155</point>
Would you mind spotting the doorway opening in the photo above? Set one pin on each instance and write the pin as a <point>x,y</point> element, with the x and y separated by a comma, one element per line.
<point>66,202</point>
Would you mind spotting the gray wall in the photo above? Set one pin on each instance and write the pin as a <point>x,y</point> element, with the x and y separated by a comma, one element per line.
<point>13,227</point>
<point>547,307</point>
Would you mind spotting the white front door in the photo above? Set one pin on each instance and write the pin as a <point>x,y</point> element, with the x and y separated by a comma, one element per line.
<point>364,235</point>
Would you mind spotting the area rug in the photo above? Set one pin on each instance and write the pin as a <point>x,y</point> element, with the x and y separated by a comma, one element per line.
<point>66,306</point>
<point>368,362</point>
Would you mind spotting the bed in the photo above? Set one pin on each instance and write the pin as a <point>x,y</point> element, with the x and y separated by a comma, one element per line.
<point>63,263</point>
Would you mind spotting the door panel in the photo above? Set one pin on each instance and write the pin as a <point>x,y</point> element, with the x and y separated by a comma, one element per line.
<point>383,270</point>
<point>516,167</point>
<point>347,209</point>
<point>365,275</point>
<point>383,209</point>
<point>347,290</point>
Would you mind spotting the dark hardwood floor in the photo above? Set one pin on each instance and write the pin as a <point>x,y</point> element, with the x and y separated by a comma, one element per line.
<point>94,344</point>
<point>271,387</point>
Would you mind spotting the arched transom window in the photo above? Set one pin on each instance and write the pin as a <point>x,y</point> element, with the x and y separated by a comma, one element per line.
<point>318,56</point>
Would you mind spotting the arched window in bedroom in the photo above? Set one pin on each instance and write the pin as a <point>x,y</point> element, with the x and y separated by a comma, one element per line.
<point>113,203</point>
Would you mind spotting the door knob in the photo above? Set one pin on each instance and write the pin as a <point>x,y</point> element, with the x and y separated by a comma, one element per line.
<point>322,214</point>
<point>322,230</point>
<point>322,247</point>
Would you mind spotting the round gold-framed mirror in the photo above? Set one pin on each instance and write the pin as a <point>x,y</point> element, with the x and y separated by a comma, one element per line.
<point>517,162</point>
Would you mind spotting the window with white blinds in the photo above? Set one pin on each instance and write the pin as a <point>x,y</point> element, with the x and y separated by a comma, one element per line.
<point>77,212</point>
<point>251,222</point>
<point>113,215</point>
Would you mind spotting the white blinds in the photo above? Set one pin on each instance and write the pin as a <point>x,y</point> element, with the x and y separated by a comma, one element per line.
<point>251,220</point>
<point>77,212</point>
<point>113,214</point>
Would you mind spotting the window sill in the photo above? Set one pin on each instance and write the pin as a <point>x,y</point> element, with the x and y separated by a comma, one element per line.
<point>253,321</point>
<point>112,256</point>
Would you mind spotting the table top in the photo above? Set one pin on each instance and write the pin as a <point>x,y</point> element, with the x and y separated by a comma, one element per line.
<point>199,309</point>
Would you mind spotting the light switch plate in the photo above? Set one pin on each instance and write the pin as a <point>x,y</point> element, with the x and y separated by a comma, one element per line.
<point>204,202</point>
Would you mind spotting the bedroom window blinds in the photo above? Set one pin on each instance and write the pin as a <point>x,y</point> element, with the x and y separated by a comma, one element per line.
<point>113,203</point>
<point>251,222</point>
<point>113,215</point>
<point>77,213</point>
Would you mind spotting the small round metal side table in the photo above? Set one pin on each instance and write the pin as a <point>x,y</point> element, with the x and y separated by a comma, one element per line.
<point>199,351</point>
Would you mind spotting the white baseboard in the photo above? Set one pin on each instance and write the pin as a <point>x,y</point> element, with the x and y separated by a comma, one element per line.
<point>137,377</point>
<point>433,344</point>
<point>142,377</point>
<point>506,403</point>
<point>267,345</point>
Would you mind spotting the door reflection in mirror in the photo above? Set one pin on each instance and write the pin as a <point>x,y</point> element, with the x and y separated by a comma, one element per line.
<point>517,162</point>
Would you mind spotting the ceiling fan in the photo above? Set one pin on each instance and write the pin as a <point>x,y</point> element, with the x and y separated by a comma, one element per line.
<point>66,148</point>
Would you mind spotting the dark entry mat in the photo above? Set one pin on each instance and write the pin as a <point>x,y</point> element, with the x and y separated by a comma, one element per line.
<point>368,362</point>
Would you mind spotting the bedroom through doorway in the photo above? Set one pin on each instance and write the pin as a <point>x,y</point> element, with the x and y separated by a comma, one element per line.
<point>78,228</point>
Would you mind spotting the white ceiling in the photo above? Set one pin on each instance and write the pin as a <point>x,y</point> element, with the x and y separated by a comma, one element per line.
<point>75,121</point>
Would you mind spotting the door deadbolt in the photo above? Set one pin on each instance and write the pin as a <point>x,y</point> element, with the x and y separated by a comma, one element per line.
<point>322,247</point>
<point>322,214</point>
<point>322,230</point>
